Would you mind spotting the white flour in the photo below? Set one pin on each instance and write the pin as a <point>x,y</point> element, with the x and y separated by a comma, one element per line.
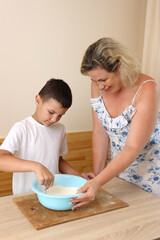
<point>60,190</point>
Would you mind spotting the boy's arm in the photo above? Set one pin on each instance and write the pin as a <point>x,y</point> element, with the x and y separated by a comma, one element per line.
<point>9,163</point>
<point>65,167</point>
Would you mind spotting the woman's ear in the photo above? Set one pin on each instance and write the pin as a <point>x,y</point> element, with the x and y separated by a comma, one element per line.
<point>118,65</point>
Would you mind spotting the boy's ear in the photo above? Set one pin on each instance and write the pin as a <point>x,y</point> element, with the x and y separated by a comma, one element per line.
<point>38,99</point>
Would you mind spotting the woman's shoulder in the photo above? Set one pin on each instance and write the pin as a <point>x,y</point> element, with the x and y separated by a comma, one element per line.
<point>148,89</point>
<point>148,83</point>
<point>145,78</point>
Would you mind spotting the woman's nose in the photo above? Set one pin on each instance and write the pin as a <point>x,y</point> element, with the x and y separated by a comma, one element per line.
<point>101,86</point>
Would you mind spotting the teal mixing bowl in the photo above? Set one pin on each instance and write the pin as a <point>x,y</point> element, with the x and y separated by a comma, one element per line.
<point>58,202</point>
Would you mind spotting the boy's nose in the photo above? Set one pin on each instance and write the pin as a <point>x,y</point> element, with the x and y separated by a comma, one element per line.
<point>55,118</point>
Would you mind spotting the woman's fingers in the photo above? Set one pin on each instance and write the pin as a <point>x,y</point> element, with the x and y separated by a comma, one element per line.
<point>79,198</point>
<point>88,196</point>
<point>79,205</point>
<point>83,189</point>
<point>82,200</point>
<point>89,192</point>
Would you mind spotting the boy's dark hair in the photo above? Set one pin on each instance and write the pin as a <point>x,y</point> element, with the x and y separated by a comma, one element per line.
<point>58,90</point>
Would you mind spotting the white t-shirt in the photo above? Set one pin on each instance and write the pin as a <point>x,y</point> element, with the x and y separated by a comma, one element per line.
<point>33,141</point>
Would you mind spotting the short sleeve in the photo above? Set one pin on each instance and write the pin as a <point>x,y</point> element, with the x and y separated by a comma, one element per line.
<point>13,139</point>
<point>63,146</point>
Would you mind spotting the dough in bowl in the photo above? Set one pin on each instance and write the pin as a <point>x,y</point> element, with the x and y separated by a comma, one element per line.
<point>60,190</point>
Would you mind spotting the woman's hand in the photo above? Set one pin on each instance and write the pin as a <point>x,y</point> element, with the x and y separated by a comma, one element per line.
<point>45,177</point>
<point>89,189</point>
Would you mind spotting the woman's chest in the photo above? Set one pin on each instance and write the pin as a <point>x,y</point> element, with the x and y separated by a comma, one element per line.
<point>117,104</point>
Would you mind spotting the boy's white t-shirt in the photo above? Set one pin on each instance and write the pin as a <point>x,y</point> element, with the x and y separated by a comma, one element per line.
<point>33,141</point>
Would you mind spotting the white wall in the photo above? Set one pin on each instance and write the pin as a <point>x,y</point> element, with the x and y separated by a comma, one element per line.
<point>41,39</point>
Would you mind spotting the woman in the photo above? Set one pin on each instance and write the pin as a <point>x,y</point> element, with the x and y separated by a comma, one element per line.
<point>125,113</point>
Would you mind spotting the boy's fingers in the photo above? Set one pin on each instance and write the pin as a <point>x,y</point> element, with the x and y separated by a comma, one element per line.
<point>88,176</point>
<point>91,175</point>
<point>84,175</point>
<point>46,182</point>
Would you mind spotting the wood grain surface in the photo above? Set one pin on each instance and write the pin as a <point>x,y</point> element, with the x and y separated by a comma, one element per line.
<point>139,221</point>
<point>41,217</point>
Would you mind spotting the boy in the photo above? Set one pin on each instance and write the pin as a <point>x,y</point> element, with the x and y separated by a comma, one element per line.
<point>39,142</point>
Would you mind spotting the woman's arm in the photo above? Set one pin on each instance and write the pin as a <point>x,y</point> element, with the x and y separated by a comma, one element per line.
<point>100,139</point>
<point>100,143</point>
<point>142,126</point>
<point>9,163</point>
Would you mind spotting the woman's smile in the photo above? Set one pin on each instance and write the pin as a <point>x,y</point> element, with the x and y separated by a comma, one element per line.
<point>107,89</point>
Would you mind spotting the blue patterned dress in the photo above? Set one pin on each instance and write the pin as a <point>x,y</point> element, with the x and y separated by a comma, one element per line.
<point>145,170</point>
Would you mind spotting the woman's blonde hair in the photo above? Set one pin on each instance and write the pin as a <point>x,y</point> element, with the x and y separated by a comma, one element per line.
<point>108,53</point>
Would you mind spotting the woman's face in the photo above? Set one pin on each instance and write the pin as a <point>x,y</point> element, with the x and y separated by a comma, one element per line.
<point>106,81</point>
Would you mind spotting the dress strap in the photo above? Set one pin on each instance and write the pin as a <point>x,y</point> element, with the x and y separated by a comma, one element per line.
<point>140,88</point>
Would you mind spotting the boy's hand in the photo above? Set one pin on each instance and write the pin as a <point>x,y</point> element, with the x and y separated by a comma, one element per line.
<point>45,177</point>
<point>88,176</point>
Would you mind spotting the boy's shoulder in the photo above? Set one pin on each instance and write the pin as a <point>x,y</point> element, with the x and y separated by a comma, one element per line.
<point>22,123</point>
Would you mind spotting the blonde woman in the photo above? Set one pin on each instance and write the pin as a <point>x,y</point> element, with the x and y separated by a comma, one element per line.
<point>126,117</point>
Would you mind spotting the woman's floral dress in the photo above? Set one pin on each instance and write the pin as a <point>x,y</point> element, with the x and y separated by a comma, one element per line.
<point>145,170</point>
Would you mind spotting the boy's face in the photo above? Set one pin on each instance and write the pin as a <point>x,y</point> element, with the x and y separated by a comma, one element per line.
<point>48,112</point>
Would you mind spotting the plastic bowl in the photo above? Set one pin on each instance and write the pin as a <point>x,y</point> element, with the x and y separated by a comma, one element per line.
<point>58,202</point>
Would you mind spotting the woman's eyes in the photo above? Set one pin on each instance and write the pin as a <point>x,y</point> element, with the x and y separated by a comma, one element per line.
<point>100,80</point>
<point>103,80</point>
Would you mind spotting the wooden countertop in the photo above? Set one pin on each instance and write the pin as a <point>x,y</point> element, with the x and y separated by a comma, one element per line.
<point>139,221</point>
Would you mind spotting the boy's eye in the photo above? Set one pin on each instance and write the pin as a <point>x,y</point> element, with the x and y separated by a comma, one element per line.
<point>51,112</point>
